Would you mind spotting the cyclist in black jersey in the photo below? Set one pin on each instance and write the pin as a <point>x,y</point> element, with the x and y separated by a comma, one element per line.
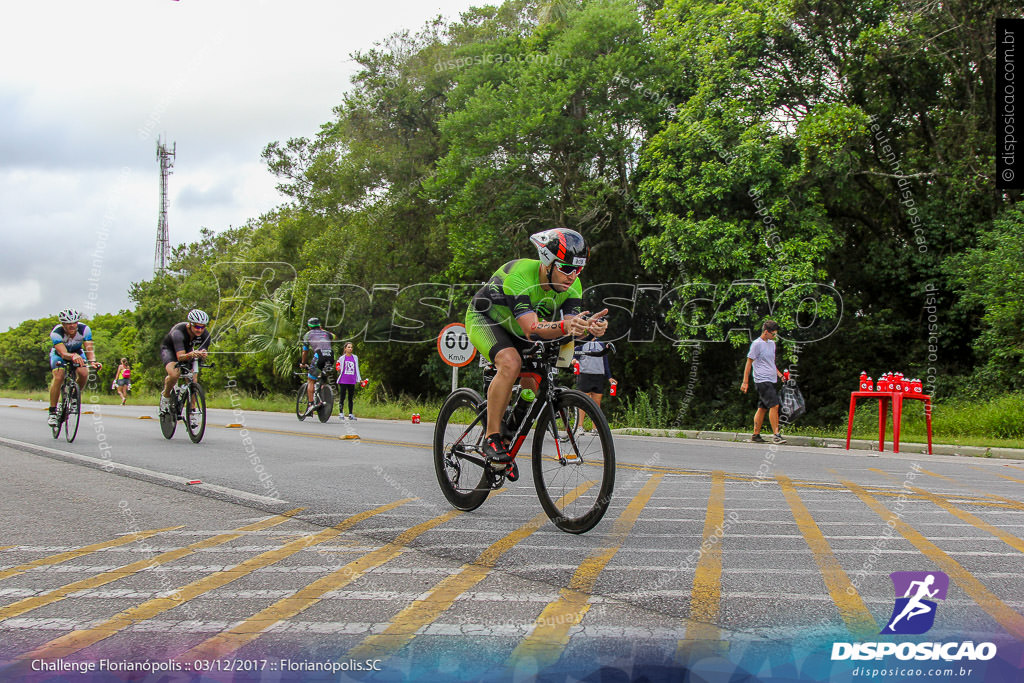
<point>185,341</point>
<point>526,300</point>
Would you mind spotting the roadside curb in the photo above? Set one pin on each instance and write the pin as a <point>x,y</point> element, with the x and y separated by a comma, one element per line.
<point>825,442</point>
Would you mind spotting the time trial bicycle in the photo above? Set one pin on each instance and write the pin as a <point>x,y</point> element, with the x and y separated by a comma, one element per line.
<point>573,470</point>
<point>188,403</point>
<point>323,397</point>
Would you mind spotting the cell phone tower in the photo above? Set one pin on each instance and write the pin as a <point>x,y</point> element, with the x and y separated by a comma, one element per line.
<point>163,238</point>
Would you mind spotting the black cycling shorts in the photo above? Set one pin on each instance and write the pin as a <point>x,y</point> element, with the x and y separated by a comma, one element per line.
<point>320,360</point>
<point>489,337</point>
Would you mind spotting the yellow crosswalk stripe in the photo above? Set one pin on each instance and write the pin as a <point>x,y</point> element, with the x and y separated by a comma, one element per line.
<point>705,597</point>
<point>986,599</point>
<point>551,629</point>
<point>851,607</point>
<point>1007,538</point>
<point>229,641</point>
<point>426,610</point>
<point>84,550</point>
<point>77,640</point>
<point>37,601</point>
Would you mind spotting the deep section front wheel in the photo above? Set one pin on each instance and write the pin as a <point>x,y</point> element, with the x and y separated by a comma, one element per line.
<point>195,412</point>
<point>72,411</point>
<point>458,432</point>
<point>575,473</point>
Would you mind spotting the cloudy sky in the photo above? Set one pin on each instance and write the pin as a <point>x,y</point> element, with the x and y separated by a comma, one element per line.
<point>86,89</point>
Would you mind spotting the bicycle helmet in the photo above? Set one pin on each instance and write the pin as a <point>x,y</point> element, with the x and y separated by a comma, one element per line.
<point>561,245</point>
<point>69,315</point>
<point>198,317</point>
<point>313,322</point>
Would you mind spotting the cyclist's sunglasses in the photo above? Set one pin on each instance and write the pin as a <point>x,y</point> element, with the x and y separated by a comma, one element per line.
<point>569,269</point>
<point>198,327</point>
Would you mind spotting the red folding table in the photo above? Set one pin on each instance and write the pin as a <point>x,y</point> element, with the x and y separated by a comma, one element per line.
<point>897,398</point>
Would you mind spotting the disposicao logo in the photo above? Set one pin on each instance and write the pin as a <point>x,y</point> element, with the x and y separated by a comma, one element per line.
<point>914,612</point>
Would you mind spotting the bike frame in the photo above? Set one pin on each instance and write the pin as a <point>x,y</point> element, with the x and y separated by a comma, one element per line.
<point>547,393</point>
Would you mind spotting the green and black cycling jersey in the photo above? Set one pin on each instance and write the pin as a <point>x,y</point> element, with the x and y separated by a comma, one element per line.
<point>513,291</point>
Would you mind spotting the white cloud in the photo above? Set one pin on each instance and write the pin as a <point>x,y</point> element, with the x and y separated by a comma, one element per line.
<point>95,84</point>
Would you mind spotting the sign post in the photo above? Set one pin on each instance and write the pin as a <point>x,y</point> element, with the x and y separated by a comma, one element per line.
<point>455,349</point>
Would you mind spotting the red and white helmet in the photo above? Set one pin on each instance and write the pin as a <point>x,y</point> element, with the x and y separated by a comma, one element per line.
<point>562,246</point>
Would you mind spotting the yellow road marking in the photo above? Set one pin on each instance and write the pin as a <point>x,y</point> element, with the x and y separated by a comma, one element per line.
<point>938,476</point>
<point>227,642</point>
<point>852,609</point>
<point>1014,480</point>
<point>406,623</point>
<point>5,547</point>
<point>85,550</point>
<point>1007,538</point>
<point>706,595</point>
<point>37,601</point>
<point>923,494</point>
<point>551,630</point>
<point>887,475</point>
<point>77,640</point>
<point>986,599</point>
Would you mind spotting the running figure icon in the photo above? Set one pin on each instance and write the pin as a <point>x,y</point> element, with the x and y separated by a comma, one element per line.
<point>916,592</point>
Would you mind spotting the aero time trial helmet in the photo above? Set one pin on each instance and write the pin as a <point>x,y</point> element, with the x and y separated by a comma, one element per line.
<point>198,317</point>
<point>561,245</point>
<point>69,315</point>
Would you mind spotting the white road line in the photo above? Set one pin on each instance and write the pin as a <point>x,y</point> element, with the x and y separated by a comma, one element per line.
<point>111,466</point>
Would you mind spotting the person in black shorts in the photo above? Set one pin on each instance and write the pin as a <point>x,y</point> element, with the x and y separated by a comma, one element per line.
<point>761,359</point>
<point>185,341</point>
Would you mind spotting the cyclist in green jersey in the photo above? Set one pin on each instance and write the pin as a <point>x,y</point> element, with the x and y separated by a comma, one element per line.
<point>524,301</point>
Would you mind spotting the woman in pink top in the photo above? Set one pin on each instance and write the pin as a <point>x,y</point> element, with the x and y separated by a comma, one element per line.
<point>123,380</point>
<point>348,376</point>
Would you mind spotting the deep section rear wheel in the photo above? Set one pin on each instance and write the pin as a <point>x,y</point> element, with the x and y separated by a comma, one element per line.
<point>169,419</point>
<point>463,482</point>
<point>327,403</point>
<point>575,474</point>
<point>195,415</point>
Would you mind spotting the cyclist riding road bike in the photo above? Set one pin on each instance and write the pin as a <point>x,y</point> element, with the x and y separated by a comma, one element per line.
<point>72,345</point>
<point>191,335</point>
<point>526,300</point>
<point>319,341</point>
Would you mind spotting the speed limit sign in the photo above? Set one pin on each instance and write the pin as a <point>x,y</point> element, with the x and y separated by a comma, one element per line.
<point>454,346</point>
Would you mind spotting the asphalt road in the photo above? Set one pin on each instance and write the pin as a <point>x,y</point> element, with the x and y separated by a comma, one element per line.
<point>329,549</point>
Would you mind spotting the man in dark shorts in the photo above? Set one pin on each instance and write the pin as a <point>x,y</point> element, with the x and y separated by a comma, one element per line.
<point>185,341</point>
<point>761,358</point>
<point>524,301</point>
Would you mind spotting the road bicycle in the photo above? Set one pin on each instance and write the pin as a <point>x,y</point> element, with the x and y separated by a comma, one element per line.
<point>323,397</point>
<point>69,405</point>
<point>188,403</point>
<point>573,470</point>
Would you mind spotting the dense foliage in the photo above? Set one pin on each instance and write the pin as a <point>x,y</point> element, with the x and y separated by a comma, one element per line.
<point>826,164</point>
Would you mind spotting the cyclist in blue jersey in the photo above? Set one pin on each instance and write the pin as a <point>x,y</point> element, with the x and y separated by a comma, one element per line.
<point>71,346</point>
<point>317,340</point>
